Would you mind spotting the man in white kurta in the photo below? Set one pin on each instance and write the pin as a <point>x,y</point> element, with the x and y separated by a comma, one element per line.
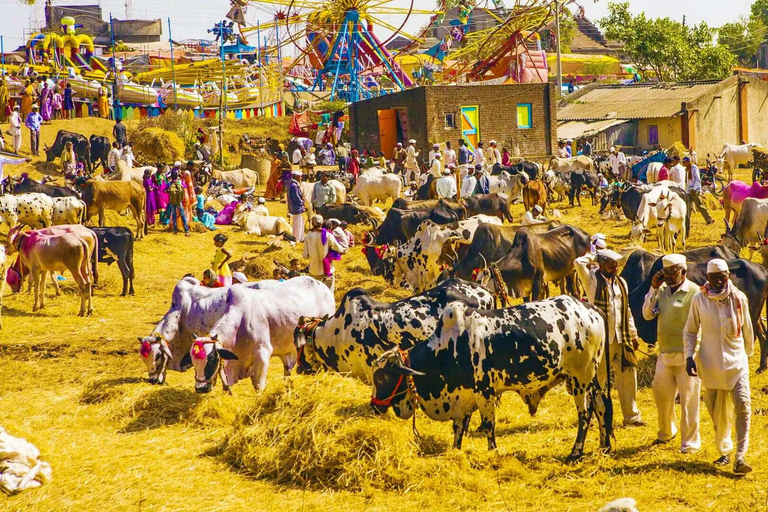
<point>534,216</point>
<point>669,300</point>
<point>480,155</point>
<point>446,186</point>
<point>618,309</point>
<point>677,173</point>
<point>494,155</point>
<point>411,162</point>
<point>618,162</point>
<point>720,317</point>
<point>15,128</point>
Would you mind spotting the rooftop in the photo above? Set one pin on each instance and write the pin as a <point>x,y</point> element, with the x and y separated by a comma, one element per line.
<point>634,101</point>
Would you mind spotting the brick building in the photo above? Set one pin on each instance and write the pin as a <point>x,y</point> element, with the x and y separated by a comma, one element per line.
<point>702,115</point>
<point>520,117</point>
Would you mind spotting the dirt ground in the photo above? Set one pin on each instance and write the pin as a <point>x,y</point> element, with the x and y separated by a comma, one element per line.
<point>75,388</point>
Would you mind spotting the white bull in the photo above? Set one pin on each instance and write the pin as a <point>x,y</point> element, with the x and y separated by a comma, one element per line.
<point>578,164</point>
<point>508,184</point>
<point>194,308</point>
<point>652,172</point>
<point>671,211</point>
<point>255,223</point>
<point>646,212</point>
<point>733,155</point>
<point>371,188</point>
<point>256,325</point>
<point>125,173</point>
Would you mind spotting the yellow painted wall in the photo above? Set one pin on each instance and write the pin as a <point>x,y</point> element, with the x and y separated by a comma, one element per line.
<point>670,131</point>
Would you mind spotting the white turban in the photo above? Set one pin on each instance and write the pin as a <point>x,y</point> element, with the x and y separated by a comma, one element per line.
<point>674,260</point>
<point>239,277</point>
<point>609,254</point>
<point>717,265</point>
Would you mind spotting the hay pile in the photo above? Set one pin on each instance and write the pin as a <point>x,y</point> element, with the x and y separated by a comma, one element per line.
<point>157,145</point>
<point>677,149</point>
<point>316,431</point>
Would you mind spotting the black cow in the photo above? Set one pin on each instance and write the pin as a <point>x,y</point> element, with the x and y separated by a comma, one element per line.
<point>80,144</point>
<point>491,243</point>
<point>100,147</point>
<point>117,243</point>
<point>427,191</point>
<point>536,259</point>
<point>638,265</point>
<point>349,212</point>
<point>532,169</point>
<point>750,278</point>
<point>584,180</point>
<point>362,329</point>
<point>475,356</point>
<point>488,204</point>
<point>629,197</point>
<point>404,204</point>
<point>25,185</point>
<point>400,225</point>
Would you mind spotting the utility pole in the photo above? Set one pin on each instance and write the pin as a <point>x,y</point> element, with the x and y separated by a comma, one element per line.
<point>223,93</point>
<point>115,98</point>
<point>559,57</point>
<point>173,68</point>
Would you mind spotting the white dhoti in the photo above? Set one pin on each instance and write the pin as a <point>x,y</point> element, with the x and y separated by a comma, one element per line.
<point>721,404</point>
<point>670,379</point>
<point>411,175</point>
<point>16,143</point>
<point>625,383</point>
<point>297,223</point>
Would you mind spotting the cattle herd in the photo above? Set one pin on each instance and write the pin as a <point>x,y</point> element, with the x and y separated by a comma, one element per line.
<point>446,350</point>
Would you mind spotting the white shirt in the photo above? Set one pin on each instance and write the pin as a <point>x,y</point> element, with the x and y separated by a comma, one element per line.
<point>310,159</point>
<point>677,174</point>
<point>315,251</point>
<point>446,187</point>
<point>342,238</point>
<point>450,157</point>
<point>720,358</point>
<point>260,209</point>
<point>529,219</point>
<point>433,153</point>
<point>479,157</point>
<point>127,157</point>
<point>13,161</point>
<point>319,136</point>
<point>436,168</point>
<point>617,160</point>
<point>468,186</point>
<point>15,123</point>
<point>296,156</point>
<point>410,158</point>
<point>589,279</point>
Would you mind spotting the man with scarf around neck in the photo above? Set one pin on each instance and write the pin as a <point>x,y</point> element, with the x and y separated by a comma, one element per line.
<point>719,317</point>
<point>608,291</point>
<point>669,300</point>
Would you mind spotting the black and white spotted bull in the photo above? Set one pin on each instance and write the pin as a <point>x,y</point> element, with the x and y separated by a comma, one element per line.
<point>362,329</point>
<point>475,356</point>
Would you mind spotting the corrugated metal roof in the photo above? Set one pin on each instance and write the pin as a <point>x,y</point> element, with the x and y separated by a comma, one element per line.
<point>635,101</point>
<point>578,129</point>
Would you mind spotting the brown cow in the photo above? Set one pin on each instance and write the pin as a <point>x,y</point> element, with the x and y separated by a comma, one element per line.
<point>535,193</point>
<point>57,249</point>
<point>117,196</point>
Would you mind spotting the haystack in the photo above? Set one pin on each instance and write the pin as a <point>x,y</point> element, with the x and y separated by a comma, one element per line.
<point>677,149</point>
<point>157,145</point>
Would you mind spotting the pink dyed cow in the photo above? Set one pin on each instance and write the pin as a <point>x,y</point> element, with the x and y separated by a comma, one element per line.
<point>56,249</point>
<point>736,192</point>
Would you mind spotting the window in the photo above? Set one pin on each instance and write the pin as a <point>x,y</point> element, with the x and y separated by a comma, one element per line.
<point>524,119</point>
<point>653,135</point>
<point>450,121</point>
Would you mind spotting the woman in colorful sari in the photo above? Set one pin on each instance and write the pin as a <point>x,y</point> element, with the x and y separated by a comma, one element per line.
<point>68,160</point>
<point>189,194</point>
<point>27,99</point>
<point>161,193</point>
<point>103,104</point>
<point>274,183</point>
<point>149,188</point>
<point>46,102</point>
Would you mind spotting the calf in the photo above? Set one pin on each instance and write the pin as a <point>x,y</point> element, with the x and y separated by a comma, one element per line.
<point>256,325</point>
<point>535,193</point>
<point>56,249</point>
<point>116,245</point>
<point>362,329</point>
<point>474,356</point>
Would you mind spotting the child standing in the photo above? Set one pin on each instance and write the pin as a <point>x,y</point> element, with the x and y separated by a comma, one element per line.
<point>200,205</point>
<point>220,259</point>
<point>57,103</point>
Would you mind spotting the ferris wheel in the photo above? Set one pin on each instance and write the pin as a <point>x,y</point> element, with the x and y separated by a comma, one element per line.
<point>336,39</point>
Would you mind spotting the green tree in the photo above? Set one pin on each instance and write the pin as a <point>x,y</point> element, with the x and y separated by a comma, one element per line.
<point>668,49</point>
<point>742,38</point>
<point>760,11</point>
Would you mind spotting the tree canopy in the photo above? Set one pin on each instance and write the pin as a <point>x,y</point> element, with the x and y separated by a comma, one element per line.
<point>671,50</point>
<point>743,38</point>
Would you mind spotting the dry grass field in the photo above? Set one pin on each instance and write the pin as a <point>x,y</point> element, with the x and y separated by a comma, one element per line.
<point>75,388</point>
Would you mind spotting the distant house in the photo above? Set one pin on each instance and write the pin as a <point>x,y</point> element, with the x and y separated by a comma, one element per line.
<point>520,117</point>
<point>702,115</point>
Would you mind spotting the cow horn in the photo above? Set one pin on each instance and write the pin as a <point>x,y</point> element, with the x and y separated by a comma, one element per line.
<point>727,226</point>
<point>374,223</point>
<point>401,368</point>
<point>485,262</point>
